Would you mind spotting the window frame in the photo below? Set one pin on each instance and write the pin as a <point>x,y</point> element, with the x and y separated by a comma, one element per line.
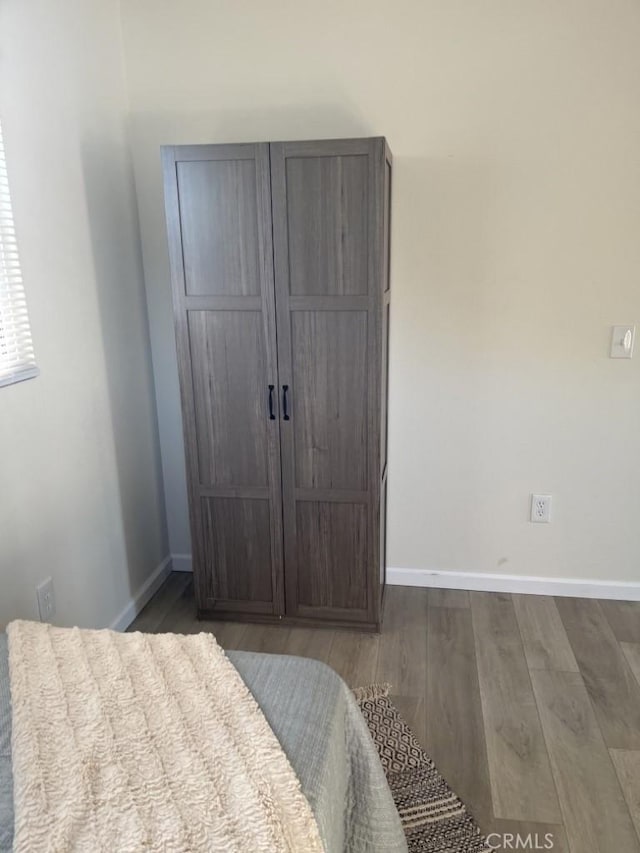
<point>17,357</point>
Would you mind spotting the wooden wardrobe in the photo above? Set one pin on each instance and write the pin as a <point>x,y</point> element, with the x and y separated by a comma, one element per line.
<point>280,274</point>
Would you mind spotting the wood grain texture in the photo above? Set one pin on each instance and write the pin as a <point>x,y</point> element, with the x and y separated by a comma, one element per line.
<point>328,197</point>
<point>271,639</point>
<point>448,598</point>
<point>237,535</point>
<point>386,310</point>
<point>596,816</point>
<point>627,766</point>
<point>230,635</point>
<point>387,224</point>
<point>631,652</point>
<point>384,386</point>
<point>402,654</point>
<point>332,547</point>
<point>379,228</point>
<point>179,618</point>
<point>612,688</point>
<point>310,643</point>
<point>624,618</point>
<point>354,656</point>
<point>178,290</point>
<point>430,655</point>
<point>230,386</point>
<point>327,203</point>
<point>521,781</point>
<point>545,640</point>
<point>455,727</point>
<point>219,219</point>
<point>329,399</point>
<point>218,209</point>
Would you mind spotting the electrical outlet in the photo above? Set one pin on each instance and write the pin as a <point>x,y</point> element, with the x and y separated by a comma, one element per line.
<point>541,509</point>
<point>46,601</point>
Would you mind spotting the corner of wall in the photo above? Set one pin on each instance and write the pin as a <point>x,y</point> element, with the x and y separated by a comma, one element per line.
<point>143,596</point>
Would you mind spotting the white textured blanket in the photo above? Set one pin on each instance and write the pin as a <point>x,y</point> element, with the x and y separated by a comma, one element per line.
<point>130,742</point>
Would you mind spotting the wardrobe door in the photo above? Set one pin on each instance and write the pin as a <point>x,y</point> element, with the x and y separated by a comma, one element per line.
<point>327,202</point>
<point>219,224</point>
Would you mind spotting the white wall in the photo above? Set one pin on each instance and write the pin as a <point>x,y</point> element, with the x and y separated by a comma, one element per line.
<point>80,476</point>
<point>516,208</point>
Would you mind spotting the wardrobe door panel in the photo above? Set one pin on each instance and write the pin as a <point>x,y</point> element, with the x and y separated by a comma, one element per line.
<point>218,203</point>
<point>220,242</point>
<point>332,547</point>
<point>327,213</point>
<point>228,354</point>
<point>330,401</point>
<point>327,206</point>
<point>243,561</point>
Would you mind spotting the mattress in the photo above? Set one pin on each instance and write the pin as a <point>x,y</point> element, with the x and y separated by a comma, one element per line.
<point>315,718</point>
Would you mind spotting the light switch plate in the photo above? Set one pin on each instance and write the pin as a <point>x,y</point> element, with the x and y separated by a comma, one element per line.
<point>622,341</point>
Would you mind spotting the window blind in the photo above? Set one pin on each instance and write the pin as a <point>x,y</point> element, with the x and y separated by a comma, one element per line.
<point>17,360</point>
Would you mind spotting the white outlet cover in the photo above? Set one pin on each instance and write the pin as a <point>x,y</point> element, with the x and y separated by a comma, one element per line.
<point>46,601</point>
<point>540,509</point>
<point>622,340</point>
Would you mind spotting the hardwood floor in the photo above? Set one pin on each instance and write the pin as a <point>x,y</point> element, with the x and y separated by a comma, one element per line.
<point>530,706</point>
<point>522,785</point>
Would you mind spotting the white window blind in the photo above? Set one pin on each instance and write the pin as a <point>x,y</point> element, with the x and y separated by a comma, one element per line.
<point>17,360</point>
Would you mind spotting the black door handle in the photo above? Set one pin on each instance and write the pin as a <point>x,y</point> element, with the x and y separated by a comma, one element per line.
<point>272,417</point>
<point>285,415</point>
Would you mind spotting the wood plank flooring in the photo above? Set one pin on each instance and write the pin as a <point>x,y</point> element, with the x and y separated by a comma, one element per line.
<point>522,786</point>
<point>530,706</point>
<point>614,692</point>
<point>595,813</point>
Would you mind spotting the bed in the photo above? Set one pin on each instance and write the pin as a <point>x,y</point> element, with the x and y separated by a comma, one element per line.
<point>320,728</point>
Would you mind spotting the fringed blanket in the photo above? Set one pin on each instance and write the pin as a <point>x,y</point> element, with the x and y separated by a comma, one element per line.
<point>129,742</point>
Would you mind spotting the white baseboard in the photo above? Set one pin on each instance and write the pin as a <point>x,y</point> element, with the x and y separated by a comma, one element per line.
<point>528,584</point>
<point>181,563</point>
<point>485,582</point>
<point>143,596</point>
